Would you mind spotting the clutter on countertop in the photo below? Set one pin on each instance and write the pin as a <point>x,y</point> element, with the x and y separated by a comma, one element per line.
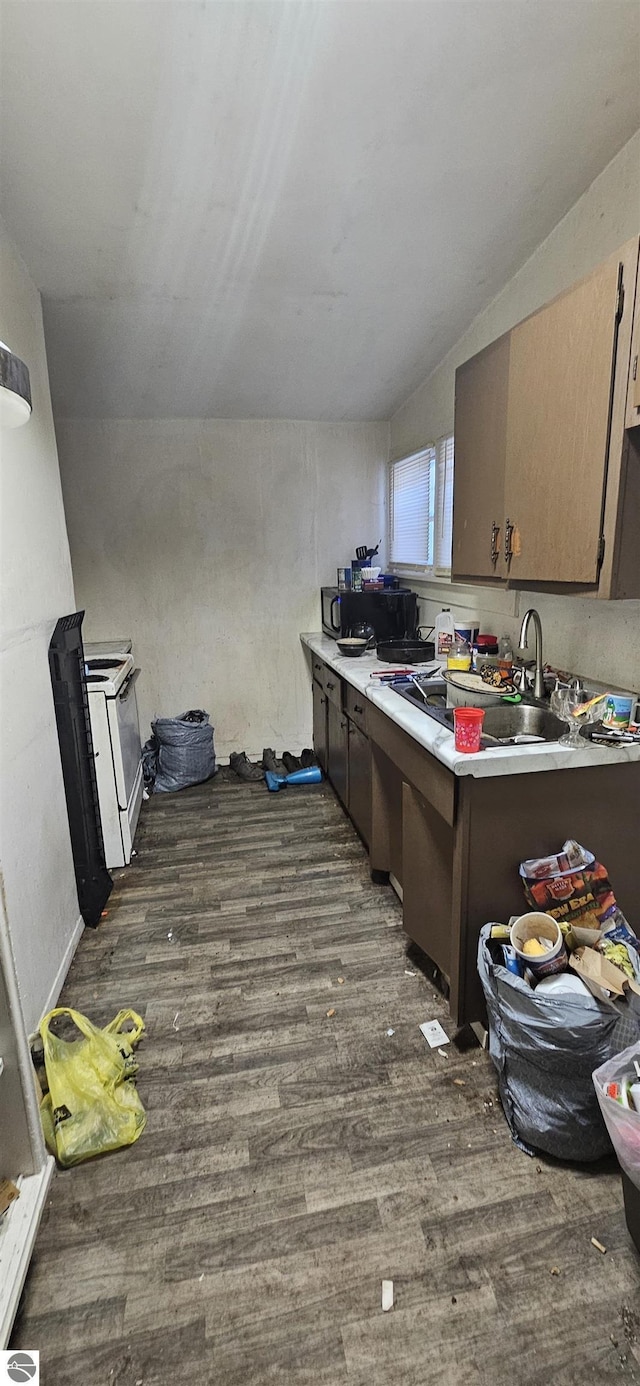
<point>92,1105</point>
<point>179,752</point>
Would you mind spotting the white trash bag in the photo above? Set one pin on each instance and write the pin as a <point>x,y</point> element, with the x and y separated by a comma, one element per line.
<point>623,1123</point>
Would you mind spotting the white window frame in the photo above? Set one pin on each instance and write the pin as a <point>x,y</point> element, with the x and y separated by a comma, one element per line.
<point>440,456</point>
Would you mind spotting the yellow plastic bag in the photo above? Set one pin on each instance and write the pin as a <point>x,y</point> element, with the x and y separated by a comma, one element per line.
<point>93,1104</point>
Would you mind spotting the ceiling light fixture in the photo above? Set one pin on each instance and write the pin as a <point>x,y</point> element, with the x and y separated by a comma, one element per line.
<point>15,390</point>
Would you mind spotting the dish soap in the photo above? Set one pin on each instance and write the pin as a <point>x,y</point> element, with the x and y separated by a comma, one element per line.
<point>459,656</point>
<point>444,634</point>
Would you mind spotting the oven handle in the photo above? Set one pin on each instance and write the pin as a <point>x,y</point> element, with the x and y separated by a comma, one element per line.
<point>335,627</point>
<point>128,685</point>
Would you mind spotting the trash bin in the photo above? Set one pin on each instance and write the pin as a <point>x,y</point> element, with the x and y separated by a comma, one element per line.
<point>623,1125</point>
<point>545,1048</point>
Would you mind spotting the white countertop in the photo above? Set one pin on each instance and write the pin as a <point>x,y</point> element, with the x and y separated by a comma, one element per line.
<point>505,760</point>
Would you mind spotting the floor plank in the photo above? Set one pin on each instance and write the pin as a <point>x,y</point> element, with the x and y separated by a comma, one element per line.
<point>292,1160</point>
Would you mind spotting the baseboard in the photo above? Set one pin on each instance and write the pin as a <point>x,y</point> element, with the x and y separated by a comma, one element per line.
<point>17,1236</point>
<point>61,974</point>
<point>396,885</point>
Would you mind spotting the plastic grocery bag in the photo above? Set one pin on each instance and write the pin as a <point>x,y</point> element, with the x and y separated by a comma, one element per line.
<point>623,1124</point>
<point>93,1104</point>
<point>545,1049</point>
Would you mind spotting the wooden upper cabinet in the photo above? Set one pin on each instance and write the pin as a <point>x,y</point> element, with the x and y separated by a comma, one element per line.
<point>479,476</point>
<point>633,396</point>
<point>560,389</point>
<point>543,465</point>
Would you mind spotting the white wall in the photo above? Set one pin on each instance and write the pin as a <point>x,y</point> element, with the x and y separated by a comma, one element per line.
<point>207,541</point>
<point>40,896</point>
<point>598,639</point>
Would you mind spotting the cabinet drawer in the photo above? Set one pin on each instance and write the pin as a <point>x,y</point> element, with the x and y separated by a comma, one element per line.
<point>319,670</point>
<point>356,706</point>
<point>333,687</point>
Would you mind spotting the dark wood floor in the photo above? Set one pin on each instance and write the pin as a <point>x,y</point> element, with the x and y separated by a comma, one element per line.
<point>293,1160</point>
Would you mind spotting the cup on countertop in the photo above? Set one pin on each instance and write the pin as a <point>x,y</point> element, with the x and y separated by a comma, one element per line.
<point>467,729</point>
<point>618,711</point>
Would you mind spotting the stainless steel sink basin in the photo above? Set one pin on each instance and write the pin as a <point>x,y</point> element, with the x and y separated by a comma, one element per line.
<point>518,719</point>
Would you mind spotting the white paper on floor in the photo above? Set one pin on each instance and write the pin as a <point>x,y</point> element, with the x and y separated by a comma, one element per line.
<point>434,1033</point>
<point>387,1295</point>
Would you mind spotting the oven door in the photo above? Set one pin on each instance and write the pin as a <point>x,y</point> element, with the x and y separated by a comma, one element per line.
<point>125,738</point>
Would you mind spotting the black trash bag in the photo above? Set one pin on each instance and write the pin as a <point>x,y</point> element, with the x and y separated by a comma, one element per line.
<point>545,1051</point>
<point>179,753</point>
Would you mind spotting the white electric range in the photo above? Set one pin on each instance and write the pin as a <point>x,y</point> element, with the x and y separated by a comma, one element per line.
<point>111,679</point>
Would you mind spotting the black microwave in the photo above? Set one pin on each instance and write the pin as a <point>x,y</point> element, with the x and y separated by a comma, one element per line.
<point>393,613</point>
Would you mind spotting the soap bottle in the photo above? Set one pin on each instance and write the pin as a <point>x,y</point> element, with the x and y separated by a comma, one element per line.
<point>444,633</point>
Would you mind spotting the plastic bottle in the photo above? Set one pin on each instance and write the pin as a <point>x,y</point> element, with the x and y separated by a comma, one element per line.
<point>459,656</point>
<point>444,633</point>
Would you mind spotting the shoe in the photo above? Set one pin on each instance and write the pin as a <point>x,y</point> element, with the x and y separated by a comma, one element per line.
<point>269,761</point>
<point>290,762</point>
<point>241,765</point>
<point>307,758</point>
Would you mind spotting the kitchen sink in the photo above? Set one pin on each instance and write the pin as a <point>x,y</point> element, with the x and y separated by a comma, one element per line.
<point>528,718</point>
<point>518,719</point>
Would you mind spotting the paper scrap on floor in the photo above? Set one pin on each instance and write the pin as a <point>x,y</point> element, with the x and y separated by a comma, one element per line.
<point>387,1295</point>
<point>434,1033</point>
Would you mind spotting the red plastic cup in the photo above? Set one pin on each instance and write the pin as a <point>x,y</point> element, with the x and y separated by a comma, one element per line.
<point>467,728</point>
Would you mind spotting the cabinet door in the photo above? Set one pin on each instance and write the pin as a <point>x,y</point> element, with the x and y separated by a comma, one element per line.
<point>558,421</point>
<point>427,854</point>
<point>480,434</point>
<point>633,395</point>
<point>320,725</point>
<point>337,750</point>
<point>359,779</point>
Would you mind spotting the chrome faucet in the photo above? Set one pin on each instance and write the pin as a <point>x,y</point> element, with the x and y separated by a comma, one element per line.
<point>532,615</point>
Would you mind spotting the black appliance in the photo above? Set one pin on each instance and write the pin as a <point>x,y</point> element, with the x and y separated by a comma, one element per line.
<point>392,613</point>
<point>66,665</point>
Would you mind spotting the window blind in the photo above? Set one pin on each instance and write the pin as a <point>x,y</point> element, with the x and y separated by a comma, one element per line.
<point>444,504</point>
<point>412,509</point>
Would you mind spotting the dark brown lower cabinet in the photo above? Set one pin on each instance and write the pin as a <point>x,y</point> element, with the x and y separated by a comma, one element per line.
<point>337,750</point>
<point>427,877</point>
<point>359,780</point>
<point>320,724</point>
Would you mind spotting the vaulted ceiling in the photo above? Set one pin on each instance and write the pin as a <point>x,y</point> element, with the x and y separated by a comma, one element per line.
<point>292,209</point>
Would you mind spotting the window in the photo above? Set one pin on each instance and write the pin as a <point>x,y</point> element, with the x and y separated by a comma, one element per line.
<point>421,511</point>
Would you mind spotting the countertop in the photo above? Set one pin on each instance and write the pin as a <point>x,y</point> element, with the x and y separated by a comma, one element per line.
<point>505,760</point>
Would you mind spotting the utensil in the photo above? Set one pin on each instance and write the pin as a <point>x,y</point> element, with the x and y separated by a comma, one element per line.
<point>412,649</point>
<point>352,646</point>
<point>365,632</point>
<point>419,687</point>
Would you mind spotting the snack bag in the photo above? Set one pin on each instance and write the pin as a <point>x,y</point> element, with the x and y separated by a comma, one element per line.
<point>571,886</point>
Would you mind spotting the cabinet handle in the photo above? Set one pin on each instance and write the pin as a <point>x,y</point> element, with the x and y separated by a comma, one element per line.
<point>330,685</point>
<point>635,367</point>
<point>357,708</point>
<point>495,530</point>
<point>508,537</point>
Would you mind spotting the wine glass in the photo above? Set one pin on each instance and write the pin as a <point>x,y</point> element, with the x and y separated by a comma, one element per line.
<point>564,703</point>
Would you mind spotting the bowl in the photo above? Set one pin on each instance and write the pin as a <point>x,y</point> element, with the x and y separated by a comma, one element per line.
<point>352,646</point>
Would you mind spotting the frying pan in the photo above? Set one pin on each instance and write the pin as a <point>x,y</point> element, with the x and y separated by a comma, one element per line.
<point>411,650</point>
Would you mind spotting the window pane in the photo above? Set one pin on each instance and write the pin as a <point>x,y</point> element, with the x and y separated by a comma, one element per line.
<point>412,508</point>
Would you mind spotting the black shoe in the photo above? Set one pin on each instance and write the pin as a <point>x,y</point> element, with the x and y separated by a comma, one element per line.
<point>269,761</point>
<point>242,767</point>
<point>290,762</point>
<point>307,759</point>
